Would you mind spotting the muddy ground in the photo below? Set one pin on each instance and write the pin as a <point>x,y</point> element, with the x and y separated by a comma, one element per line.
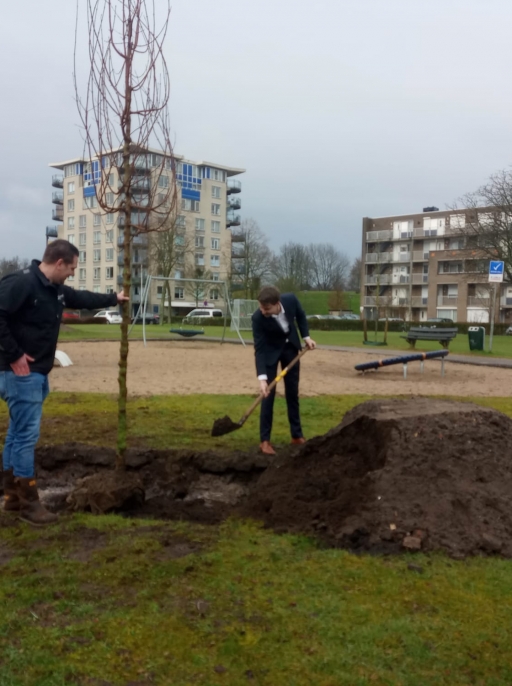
<point>185,367</point>
<point>414,474</point>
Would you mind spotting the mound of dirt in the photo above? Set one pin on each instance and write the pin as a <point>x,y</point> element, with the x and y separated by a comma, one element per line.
<point>414,474</point>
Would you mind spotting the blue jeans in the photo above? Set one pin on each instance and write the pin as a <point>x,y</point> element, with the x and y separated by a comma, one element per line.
<point>24,396</point>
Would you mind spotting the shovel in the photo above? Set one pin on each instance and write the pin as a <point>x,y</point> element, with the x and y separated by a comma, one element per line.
<point>224,426</point>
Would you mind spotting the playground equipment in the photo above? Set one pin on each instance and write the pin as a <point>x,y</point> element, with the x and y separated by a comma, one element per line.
<point>404,359</point>
<point>200,284</point>
<point>62,359</point>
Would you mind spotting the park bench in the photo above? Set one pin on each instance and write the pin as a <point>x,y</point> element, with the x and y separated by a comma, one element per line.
<point>422,333</point>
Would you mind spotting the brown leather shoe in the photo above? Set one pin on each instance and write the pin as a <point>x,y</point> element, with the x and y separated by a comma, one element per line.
<point>298,441</point>
<point>266,448</point>
<point>31,510</point>
<point>11,500</point>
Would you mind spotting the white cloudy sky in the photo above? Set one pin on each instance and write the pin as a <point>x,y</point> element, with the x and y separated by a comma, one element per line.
<point>338,109</point>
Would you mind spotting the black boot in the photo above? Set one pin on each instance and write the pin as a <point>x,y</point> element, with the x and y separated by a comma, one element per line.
<point>11,500</point>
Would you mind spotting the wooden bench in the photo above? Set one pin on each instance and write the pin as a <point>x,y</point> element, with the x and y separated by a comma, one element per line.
<point>422,333</point>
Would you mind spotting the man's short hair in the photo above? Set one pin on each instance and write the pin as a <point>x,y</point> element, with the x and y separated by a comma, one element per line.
<point>60,250</point>
<point>269,295</point>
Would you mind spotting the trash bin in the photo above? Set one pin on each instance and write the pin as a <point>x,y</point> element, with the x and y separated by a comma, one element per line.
<point>476,336</point>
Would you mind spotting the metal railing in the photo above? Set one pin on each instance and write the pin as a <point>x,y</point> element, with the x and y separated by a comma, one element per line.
<point>420,255</point>
<point>420,278</point>
<point>379,257</point>
<point>58,181</point>
<point>57,198</point>
<point>379,236</point>
<point>234,186</point>
<point>419,301</point>
<point>477,301</point>
<point>58,214</point>
<point>447,300</point>
<point>380,279</point>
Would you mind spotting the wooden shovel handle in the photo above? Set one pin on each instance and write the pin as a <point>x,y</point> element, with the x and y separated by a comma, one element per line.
<point>272,385</point>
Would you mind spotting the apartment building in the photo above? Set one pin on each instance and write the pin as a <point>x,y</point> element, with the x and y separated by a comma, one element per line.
<point>208,201</point>
<point>425,265</point>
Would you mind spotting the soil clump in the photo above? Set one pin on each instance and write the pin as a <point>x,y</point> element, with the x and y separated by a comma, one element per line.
<point>399,474</point>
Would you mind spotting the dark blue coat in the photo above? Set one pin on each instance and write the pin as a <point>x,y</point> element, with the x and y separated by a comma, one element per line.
<point>269,337</point>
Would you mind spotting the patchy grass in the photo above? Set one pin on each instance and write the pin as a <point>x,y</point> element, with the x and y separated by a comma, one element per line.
<point>243,606</point>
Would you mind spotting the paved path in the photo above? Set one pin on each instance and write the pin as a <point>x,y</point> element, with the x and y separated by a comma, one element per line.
<point>387,352</point>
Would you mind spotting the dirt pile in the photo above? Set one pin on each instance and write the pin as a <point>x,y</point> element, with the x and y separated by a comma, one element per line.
<point>417,474</point>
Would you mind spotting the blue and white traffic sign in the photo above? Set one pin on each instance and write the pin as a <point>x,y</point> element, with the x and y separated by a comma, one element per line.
<point>496,270</point>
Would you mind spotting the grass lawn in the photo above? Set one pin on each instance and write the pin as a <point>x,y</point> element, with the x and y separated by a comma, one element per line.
<point>502,345</point>
<point>109,601</point>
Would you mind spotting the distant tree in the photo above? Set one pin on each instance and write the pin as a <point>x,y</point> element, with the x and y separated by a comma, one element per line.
<point>354,277</point>
<point>167,252</point>
<point>8,265</point>
<point>253,257</point>
<point>199,288</point>
<point>328,266</point>
<point>291,268</point>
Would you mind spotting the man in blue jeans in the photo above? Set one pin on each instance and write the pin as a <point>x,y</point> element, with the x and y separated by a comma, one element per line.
<point>31,305</point>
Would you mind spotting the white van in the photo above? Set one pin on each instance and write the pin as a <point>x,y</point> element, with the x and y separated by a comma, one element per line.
<point>201,315</point>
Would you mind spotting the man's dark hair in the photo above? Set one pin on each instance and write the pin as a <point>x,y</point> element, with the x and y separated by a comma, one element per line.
<point>60,250</point>
<point>269,295</point>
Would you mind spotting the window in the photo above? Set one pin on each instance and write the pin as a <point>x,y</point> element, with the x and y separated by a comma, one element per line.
<point>215,244</point>
<point>109,289</point>
<point>215,260</point>
<point>96,255</point>
<point>180,258</point>
<point>71,238</point>
<point>71,278</point>
<point>82,256</point>
<point>199,258</point>
<point>109,272</point>
<point>190,205</point>
<point>82,274</point>
<point>71,205</point>
<point>179,240</point>
<point>97,220</point>
<point>109,236</point>
<point>177,275</point>
<point>96,237</point>
<point>199,224</point>
<point>179,293</point>
<point>71,186</point>
<point>82,238</point>
<point>159,291</point>
<point>90,202</point>
<point>71,222</point>
<point>215,191</point>
<point>180,221</point>
<point>215,226</point>
<point>163,181</point>
<point>215,276</point>
<point>111,180</point>
<point>215,208</point>
<point>95,289</point>
<point>82,221</point>
<point>214,294</point>
<point>218,175</point>
<point>199,241</point>
<point>109,197</point>
<point>109,255</point>
<point>110,219</point>
<point>97,273</point>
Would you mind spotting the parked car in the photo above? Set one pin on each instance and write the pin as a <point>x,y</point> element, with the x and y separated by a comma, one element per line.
<point>439,320</point>
<point>201,315</point>
<point>68,314</point>
<point>391,319</point>
<point>508,332</point>
<point>111,316</point>
<point>350,316</point>
<point>315,316</point>
<point>150,318</point>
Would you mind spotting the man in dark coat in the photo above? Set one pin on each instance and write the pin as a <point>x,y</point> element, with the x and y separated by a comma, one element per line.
<point>31,305</point>
<point>276,341</point>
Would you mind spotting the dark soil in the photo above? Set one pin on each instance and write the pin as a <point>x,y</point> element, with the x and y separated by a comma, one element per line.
<point>414,474</point>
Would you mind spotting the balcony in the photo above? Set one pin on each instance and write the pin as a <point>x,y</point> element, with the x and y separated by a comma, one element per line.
<point>238,237</point>
<point>58,198</point>
<point>52,232</point>
<point>233,187</point>
<point>419,301</point>
<point>403,278</point>
<point>420,255</point>
<point>447,300</point>
<point>420,278</point>
<point>58,181</point>
<point>402,257</point>
<point>58,214</point>
<point>233,220</point>
<point>379,280</point>
<point>378,257</point>
<point>136,240</point>
<point>478,301</point>
<point>234,204</point>
<point>372,236</point>
<point>506,302</point>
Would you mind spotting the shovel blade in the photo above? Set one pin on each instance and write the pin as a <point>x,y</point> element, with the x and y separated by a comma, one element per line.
<point>224,426</point>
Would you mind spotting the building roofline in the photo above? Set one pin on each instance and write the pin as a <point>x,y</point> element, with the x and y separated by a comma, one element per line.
<point>457,210</point>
